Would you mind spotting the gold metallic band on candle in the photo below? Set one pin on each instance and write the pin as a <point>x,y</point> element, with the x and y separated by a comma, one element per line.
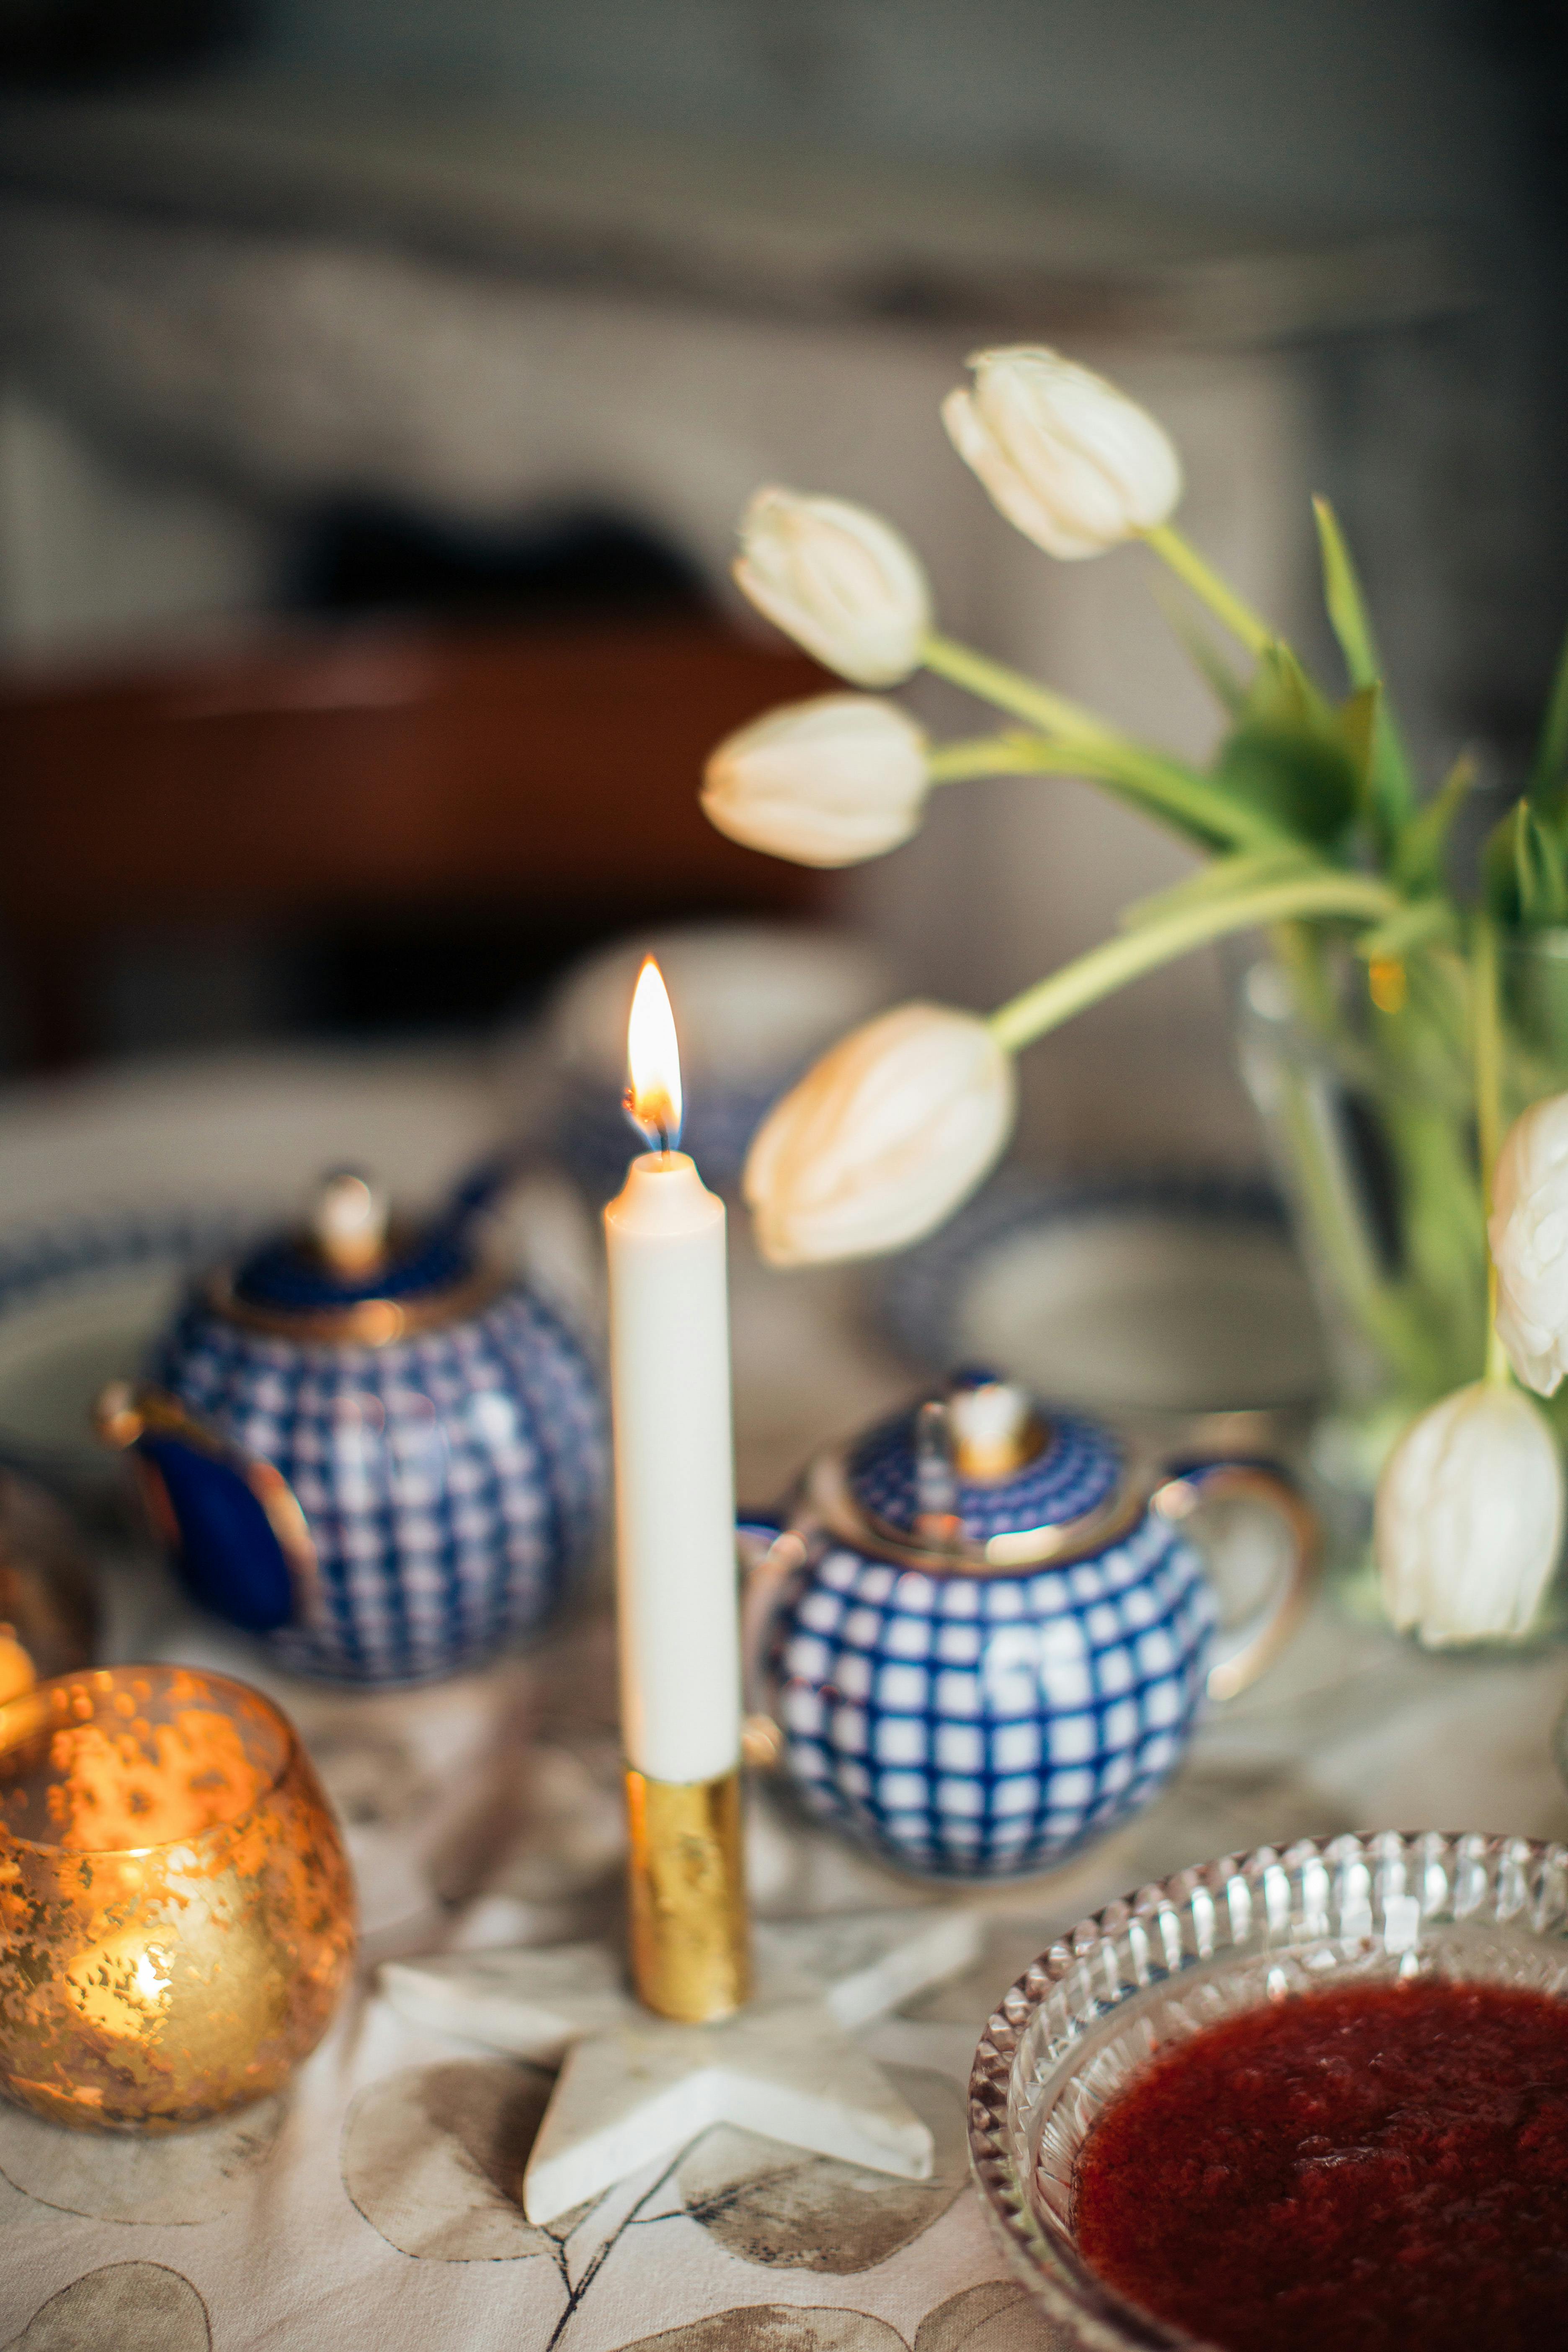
<point>691,1954</point>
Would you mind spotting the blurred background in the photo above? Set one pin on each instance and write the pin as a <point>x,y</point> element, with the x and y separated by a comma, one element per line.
<point>381,380</point>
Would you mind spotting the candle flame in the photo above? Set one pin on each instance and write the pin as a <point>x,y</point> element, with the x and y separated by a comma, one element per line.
<point>653,1061</point>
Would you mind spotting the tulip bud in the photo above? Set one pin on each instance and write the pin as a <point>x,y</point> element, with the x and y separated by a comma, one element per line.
<point>1469,1518</point>
<point>1529,1235</point>
<point>839,581</point>
<point>826,782</point>
<point>882,1139</point>
<point>1073,463</point>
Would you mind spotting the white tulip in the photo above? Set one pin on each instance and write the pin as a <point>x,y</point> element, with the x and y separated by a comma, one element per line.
<point>839,581</point>
<point>1069,460</point>
<point>1529,1235</point>
<point>882,1139</point>
<point>1468,1520</point>
<point>826,782</point>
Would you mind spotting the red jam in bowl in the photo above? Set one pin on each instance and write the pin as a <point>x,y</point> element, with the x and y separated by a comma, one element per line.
<point>1379,2168</point>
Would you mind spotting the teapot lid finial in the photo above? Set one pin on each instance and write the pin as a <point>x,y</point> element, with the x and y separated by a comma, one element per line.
<point>993,1426</point>
<point>978,1474</point>
<point>354,1275</point>
<point>349,1219</point>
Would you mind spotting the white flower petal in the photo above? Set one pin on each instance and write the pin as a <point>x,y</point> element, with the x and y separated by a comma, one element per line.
<point>1074,464</point>
<point>838,580</point>
<point>828,782</point>
<point>882,1139</point>
<point>1468,1521</point>
<point>1528,1237</point>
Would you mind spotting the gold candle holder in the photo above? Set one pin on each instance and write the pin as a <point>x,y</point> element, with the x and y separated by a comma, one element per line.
<point>691,1957</point>
<point>176,1914</point>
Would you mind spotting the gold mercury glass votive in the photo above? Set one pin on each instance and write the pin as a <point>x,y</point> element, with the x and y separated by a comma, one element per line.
<point>177,1918</point>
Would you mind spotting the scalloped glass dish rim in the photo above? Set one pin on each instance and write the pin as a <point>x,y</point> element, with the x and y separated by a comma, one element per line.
<point>1189,1949</point>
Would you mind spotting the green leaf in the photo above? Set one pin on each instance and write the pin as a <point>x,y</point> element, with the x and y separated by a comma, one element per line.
<point>1346,605</point>
<point>1543,879</point>
<point>1417,859</point>
<point>1524,877</point>
<point>1289,758</point>
<point>1393,794</point>
<point>1227,689</point>
<point>1546,776</point>
<point>1301,778</point>
<point>1500,869</point>
<point>1282,694</point>
<point>1357,719</point>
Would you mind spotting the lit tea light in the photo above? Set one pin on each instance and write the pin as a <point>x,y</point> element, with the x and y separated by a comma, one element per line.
<point>674,1514</point>
<point>122,1986</point>
<point>176,1914</point>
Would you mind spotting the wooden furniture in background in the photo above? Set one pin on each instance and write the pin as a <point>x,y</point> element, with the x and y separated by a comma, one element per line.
<point>377,768</point>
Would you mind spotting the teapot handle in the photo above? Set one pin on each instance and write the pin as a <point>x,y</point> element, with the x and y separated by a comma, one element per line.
<point>240,1539</point>
<point>769,1556</point>
<point>1247,1648</point>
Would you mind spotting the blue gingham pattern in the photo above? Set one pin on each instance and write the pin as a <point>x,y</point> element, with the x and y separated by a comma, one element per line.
<point>981,1726</point>
<point>451,1483</point>
<point>1078,1468</point>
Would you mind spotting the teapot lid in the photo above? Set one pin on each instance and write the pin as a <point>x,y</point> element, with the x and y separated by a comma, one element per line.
<point>354,1274</point>
<point>978,1477</point>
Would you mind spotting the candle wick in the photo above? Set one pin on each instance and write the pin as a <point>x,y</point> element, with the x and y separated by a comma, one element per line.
<point>656,1131</point>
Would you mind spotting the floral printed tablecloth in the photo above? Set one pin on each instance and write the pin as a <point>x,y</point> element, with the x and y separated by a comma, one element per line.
<point>376,2206</point>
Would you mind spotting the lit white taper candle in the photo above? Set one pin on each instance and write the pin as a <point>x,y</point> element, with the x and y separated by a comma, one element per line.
<point>675,1516</point>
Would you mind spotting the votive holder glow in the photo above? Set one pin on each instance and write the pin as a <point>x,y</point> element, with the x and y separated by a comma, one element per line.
<point>177,1916</point>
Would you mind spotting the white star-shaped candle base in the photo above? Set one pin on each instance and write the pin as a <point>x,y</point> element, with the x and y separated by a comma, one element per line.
<point>635,2087</point>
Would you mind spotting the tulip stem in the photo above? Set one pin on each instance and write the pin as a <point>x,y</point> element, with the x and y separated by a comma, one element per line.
<point>1488,1046</point>
<point>1105,969</point>
<point>994,681</point>
<point>1075,743</point>
<point>1013,754</point>
<point>1222,600</point>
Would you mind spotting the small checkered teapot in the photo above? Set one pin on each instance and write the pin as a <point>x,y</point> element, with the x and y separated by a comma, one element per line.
<point>370,1444</point>
<point>981,1635</point>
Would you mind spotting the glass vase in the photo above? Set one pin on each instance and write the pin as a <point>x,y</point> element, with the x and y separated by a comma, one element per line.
<point>1364,1079</point>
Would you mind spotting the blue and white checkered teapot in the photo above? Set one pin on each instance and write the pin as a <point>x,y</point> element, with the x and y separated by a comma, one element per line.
<point>371,1445</point>
<point>981,1637</point>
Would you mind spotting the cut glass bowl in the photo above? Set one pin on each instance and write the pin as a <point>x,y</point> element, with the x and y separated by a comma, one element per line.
<point>1192,1951</point>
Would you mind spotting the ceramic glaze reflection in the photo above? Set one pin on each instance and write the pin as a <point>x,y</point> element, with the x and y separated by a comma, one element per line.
<point>452,1483</point>
<point>982,1634</point>
<point>176,1914</point>
<point>973,1728</point>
